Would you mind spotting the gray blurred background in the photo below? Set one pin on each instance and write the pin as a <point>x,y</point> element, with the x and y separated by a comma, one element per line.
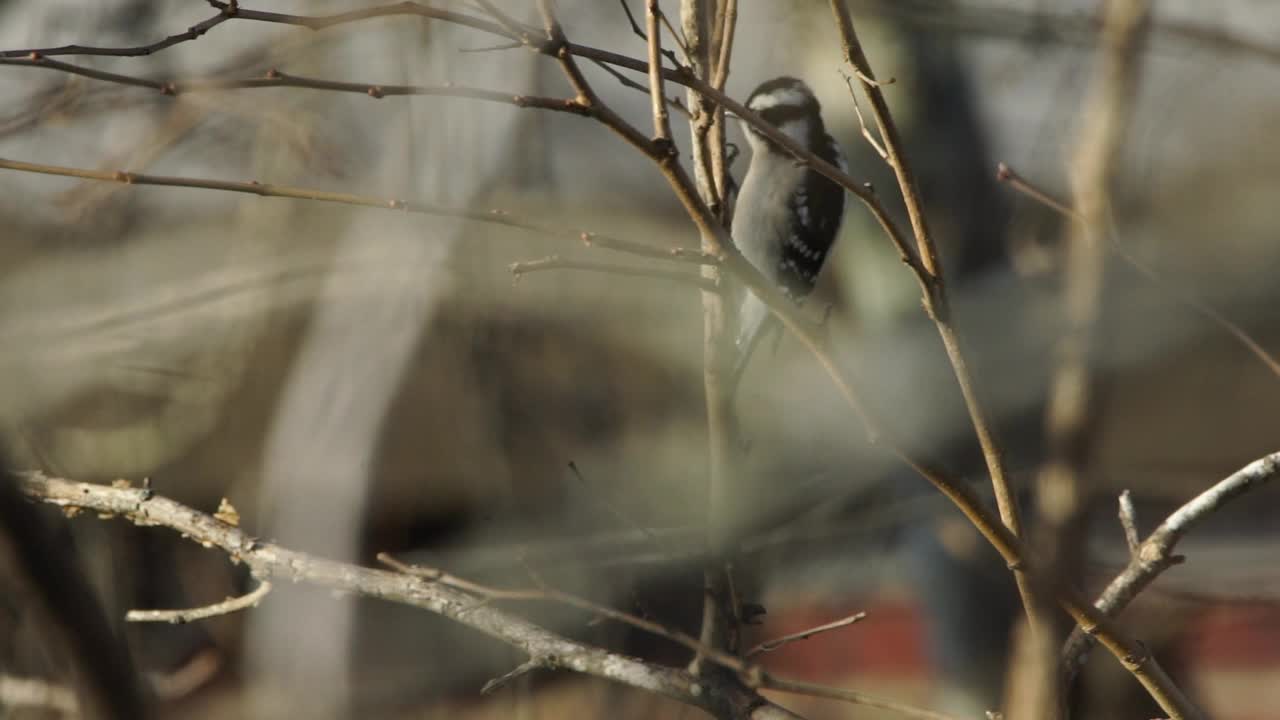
<point>355,381</point>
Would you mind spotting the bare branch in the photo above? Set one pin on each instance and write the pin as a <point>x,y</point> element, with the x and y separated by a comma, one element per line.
<point>520,670</point>
<point>657,95</point>
<point>771,645</point>
<point>851,696</point>
<point>194,32</point>
<point>320,22</point>
<point>226,607</point>
<point>550,594</point>
<point>1006,174</point>
<point>857,111</point>
<point>1155,554</point>
<point>268,560</point>
<point>253,187</point>
<point>555,262</point>
<point>510,24</point>
<point>627,82</point>
<point>728,25</point>
<point>678,75</point>
<point>492,48</point>
<point>443,594</point>
<point>677,37</point>
<point>933,294</point>
<point>275,78</point>
<point>635,29</point>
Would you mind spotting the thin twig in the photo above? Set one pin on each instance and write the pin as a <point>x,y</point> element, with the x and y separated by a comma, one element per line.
<point>491,48</point>
<point>677,37</point>
<point>720,161</point>
<point>523,668</point>
<point>771,645</point>
<point>321,22</point>
<point>823,691</point>
<point>253,187</point>
<point>315,22</point>
<point>226,607</point>
<point>1008,175</point>
<point>752,674</point>
<point>510,24</point>
<point>857,111</point>
<point>627,82</point>
<point>657,95</point>
<point>609,507</point>
<point>638,32</point>
<point>555,262</point>
<point>728,20</point>
<point>192,33</point>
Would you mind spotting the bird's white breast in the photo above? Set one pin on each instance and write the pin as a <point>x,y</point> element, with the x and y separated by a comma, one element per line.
<point>761,221</point>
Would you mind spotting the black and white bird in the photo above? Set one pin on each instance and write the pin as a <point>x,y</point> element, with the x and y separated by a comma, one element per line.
<point>786,216</point>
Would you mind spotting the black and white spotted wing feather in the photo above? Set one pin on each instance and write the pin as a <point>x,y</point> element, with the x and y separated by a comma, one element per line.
<point>816,210</point>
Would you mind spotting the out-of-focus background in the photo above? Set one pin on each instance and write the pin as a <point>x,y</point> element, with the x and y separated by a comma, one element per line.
<point>359,380</point>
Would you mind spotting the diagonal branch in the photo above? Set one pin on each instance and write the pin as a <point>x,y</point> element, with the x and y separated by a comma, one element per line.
<point>933,289</point>
<point>459,600</point>
<point>1155,554</point>
<point>1006,174</point>
<point>267,560</point>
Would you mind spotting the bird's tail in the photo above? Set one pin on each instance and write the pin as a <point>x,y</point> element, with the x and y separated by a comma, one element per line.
<point>755,322</point>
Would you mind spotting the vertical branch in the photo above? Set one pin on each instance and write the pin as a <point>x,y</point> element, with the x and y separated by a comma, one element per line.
<point>658,96</point>
<point>1102,132</point>
<point>933,289</point>
<point>717,607</point>
<point>1105,116</point>
<point>726,27</point>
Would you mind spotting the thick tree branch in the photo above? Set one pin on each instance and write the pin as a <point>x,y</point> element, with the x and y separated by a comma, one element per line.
<point>142,507</point>
<point>461,601</point>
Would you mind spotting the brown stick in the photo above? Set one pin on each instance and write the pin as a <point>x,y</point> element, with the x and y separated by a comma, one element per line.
<point>933,289</point>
